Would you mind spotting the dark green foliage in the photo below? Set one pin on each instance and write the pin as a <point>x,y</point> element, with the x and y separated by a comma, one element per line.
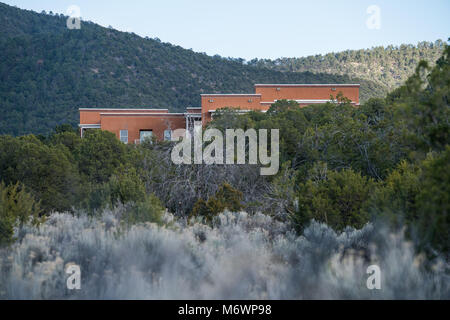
<point>64,172</point>
<point>423,105</point>
<point>149,209</point>
<point>395,198</point>
<point>126,186</point>
<point>283,106</point>
<point>333,197</point>
<point>226,198</point>
<point>70,140</point>
<point>95,197</point>
<point>229,198</point>
<point>418,196</point>
<point>100,154</point>
<point>433,203</point>
<point>341,135</point>
<point>227,118</point>
<point>16,208</point>
<point>201,209</point>
<point>49,171</point>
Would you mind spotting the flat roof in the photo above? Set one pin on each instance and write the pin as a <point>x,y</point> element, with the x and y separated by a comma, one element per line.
<point>114,109</point>
<point>309,85</point>
<point>232,94</point>
<point>141,114</point>
<point>312,101</point>
<point>235,110</point>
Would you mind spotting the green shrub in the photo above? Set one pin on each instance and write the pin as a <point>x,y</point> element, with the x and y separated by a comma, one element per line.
<point>100,155</point>
<point>123,187</point>
<point>95,197</point>
<point>17,207</point>
<point>433,202</point>
<point>333,197</point>
<point>126,186</point>
<point>225,198</point>
<point>395,198</point>
<point>49,171</point>
<point>417,195</point>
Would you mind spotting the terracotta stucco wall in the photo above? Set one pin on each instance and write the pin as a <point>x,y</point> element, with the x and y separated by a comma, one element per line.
<point>135,123</point>
<point>92,116</point>
<point>323,92</point>
<point>243,102</point>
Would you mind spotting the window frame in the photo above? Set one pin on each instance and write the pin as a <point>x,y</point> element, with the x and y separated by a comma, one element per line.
<point>123,137</point>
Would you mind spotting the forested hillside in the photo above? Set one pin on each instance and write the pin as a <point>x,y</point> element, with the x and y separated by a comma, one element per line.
<point>388,66</point>
<point>48,71</point>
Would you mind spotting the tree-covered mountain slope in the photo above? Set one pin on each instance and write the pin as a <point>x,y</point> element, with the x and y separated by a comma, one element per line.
<point>387,66</point>
<point>48,71</point>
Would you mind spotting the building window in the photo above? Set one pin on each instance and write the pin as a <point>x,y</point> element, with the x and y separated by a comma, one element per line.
<point>124,136</point>
<point>167,135</point>
<point>146,134</point>
<point>211,100</point>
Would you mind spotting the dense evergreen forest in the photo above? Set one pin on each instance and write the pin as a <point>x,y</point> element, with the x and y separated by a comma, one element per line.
<point>388,66</point>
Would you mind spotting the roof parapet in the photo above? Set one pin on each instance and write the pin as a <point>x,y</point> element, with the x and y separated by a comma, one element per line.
<point>310,85</point>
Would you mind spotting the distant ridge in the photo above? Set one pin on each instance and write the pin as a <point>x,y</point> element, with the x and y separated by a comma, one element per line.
<point>388,66</point>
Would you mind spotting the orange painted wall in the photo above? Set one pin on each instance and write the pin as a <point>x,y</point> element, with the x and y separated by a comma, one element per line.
<point>135,123</point>
<point>194,110</point>
<point>233,101</point>
<point>92,116</point>
<point>270,93</point>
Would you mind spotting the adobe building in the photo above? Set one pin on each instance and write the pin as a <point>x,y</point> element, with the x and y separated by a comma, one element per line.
<point>135,125</point>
